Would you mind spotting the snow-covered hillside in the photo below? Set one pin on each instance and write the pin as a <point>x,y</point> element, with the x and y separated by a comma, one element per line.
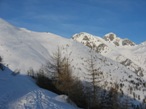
<point>22,49</point>
<point>20,92</point>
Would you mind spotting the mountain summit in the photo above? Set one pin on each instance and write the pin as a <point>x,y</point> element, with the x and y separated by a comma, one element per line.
<point>116,48</point>
<point>113,38</point>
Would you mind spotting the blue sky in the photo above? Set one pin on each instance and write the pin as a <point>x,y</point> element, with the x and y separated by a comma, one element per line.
<point>126,18</point>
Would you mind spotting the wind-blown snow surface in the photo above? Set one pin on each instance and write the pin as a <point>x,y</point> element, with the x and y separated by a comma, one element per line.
<point>20,92</point>
<point>23,49</point>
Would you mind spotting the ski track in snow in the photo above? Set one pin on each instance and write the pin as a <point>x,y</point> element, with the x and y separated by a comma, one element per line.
<point>20,92</point>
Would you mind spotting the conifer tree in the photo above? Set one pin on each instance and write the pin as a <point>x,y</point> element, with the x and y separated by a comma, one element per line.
<point>61,72</point>
<point>94,76</point>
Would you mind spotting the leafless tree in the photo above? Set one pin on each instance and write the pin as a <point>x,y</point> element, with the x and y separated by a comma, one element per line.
<point>60,71</point>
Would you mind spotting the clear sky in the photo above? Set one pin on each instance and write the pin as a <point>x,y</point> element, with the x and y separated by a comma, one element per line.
<point>126,18</point>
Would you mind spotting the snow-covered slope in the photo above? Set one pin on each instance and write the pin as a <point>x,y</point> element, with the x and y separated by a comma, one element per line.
<point>139,54</point>
<point>23,49</point>
<point>20,92</point>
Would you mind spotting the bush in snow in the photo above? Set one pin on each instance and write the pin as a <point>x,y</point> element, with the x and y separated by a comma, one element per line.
<point>31,73</point>
<point>44,82</point>
<point>16,72</point>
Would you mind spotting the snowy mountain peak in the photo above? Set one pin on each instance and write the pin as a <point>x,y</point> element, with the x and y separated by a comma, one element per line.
<point>89,40</point>
<point>82,36</point>
<point>111,33</point>
<point>116,48</point>
<point>117,41</point>
<point>110,36</point>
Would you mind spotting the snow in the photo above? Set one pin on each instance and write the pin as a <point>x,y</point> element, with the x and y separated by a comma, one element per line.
<point>23,49</point>
<point>136,54</point>
<point>20,92</point>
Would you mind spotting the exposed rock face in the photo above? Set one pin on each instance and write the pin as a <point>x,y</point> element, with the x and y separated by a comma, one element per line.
<point>132,66</point>
<point>113,38</point>
<point>100,48</point>
<point>127,42</point>
<point>110,37</point>
<point>86,38</point>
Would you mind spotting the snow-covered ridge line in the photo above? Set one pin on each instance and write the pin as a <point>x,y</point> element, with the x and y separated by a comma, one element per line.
<point>114,47</point>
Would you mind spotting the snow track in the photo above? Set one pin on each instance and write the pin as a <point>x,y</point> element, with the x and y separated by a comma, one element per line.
<point>20,92</point>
